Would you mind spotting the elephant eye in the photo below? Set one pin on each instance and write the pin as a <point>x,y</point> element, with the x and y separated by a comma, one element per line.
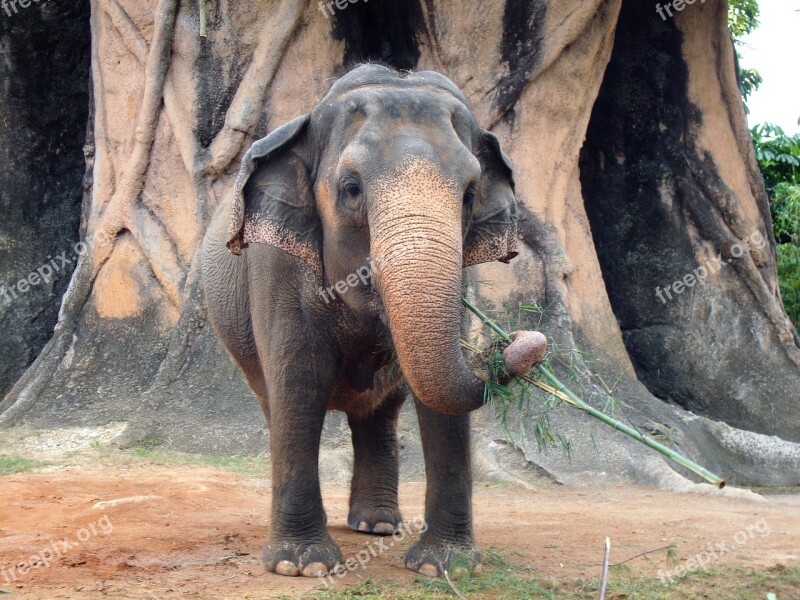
<point>351,189</point>
<point>469,196</point>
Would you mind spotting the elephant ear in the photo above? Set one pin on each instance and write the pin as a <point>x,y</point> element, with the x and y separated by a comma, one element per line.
<point>492,234</point>
<point>273,201</point>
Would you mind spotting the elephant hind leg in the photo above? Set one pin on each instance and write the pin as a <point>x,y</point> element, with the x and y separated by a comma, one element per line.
<point>254,373</point>
<point>373,490</point>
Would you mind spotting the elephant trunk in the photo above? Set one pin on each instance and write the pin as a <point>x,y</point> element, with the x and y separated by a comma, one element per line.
<point>416,246</point>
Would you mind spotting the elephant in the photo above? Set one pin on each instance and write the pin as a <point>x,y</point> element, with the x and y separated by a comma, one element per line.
<point>333,275</point>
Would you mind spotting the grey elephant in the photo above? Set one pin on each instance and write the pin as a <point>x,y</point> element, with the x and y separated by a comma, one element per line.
<point>333,276</point>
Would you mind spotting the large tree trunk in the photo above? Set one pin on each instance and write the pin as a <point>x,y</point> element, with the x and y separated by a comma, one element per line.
<point>633,162</point>
<point>44,70</point>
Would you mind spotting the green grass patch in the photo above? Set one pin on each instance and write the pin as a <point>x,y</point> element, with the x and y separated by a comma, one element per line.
<point>9,465</point>
<point>146,448</point>
<point>243,465</point>
<point>506,580</point>
<point>723,583</point>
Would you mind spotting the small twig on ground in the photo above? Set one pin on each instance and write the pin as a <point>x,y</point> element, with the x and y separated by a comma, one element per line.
<point>605,569</point>
<point>452,585</point>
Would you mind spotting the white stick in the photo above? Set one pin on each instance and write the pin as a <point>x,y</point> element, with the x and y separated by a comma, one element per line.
<point>605,570</point>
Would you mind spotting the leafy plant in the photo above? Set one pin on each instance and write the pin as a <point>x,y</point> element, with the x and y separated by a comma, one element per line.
<point>789,279</point>
<point>778,156</point>
<point>785,212</point>
<point>742,19</point>
<point>542,377</point>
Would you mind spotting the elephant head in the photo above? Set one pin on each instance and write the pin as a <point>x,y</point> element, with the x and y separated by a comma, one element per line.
<point>393,168</point>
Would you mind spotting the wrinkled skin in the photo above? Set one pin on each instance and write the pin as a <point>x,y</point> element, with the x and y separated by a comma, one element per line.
<point>389,168</point>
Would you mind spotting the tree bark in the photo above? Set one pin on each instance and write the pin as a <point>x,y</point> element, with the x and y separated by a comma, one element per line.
<point>44,97</point>
<point>632,161</point>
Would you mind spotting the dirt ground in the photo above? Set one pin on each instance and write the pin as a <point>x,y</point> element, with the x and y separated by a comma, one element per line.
<point>144,530</point>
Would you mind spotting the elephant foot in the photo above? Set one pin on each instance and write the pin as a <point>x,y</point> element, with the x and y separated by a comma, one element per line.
<point>377,519</point>
<point>309,559</point>
<point>434,558</point>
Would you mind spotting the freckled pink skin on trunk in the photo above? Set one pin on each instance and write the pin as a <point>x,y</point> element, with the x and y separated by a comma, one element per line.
<point>417,245</point>
<point>525,352</point>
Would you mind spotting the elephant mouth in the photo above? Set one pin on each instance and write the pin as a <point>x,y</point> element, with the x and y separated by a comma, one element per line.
<point>375,305</point>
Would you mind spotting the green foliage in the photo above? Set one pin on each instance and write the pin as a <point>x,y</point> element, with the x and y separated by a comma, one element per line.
<point>749,80</point>
<point>516,401</point>
<point>786,212</point>
<point>742,19</point>
<point>789,279</point>
<point>778,156</point>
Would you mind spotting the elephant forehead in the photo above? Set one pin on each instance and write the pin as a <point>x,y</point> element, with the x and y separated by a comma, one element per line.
<point>417,103</point>
<point>372,75</point>
<point>379,147</point>
<point>418,177</point>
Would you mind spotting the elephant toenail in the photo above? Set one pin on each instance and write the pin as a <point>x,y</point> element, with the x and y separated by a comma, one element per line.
<point>364,526</point>
<point>477,569</point>
<point>428,570</point>
<point>288,568</point>
<point>315,569</point>
<point>383,528</point>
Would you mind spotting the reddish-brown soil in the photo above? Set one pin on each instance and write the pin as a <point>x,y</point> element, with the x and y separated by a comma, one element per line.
<point>197,532</point>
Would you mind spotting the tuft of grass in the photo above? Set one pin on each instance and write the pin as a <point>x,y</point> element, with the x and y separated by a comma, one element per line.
<point>10,465</point>
<point>148,442</point>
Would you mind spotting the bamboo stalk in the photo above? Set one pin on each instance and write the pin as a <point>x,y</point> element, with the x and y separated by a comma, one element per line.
<point>202,7</point>
<point>559,390</point>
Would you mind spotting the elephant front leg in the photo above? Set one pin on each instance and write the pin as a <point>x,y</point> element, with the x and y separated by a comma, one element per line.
<point>299,543</point>
<point>373,491</point>
<point>448,543</point>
